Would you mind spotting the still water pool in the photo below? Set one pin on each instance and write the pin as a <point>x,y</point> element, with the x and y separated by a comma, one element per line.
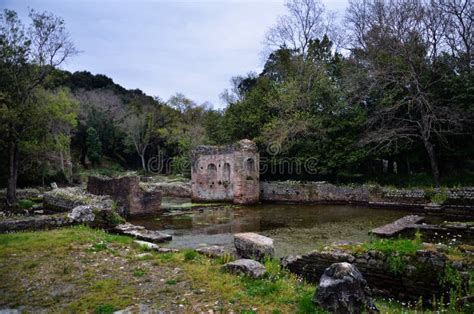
<point>294,228</point>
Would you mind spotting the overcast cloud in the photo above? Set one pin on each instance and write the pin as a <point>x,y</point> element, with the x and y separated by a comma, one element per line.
<point>165,47</point>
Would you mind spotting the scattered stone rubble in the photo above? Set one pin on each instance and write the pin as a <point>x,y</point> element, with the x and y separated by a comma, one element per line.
<point>103,218</point>
<point>65,199</point>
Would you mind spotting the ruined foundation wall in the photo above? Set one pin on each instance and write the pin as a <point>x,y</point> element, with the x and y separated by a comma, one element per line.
<point>458,201</point>
<point>419,277</point>
<point>312,192</point>
<point>127,193</point>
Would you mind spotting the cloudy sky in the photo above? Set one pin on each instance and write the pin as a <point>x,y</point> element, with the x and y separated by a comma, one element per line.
<point>164,47</point>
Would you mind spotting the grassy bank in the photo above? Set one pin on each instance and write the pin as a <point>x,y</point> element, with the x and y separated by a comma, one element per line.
<point>80,269</point>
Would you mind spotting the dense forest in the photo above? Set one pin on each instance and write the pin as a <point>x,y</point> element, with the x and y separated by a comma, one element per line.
<point>385,94</point>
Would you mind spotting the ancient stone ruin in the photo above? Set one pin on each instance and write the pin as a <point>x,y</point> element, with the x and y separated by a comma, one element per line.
<point>127,193</point>
<point>226,173</point>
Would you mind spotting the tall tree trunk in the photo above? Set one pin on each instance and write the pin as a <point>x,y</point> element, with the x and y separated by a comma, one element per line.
<point>142,156</point>
<point>12,172</point>
<point>433,161</point>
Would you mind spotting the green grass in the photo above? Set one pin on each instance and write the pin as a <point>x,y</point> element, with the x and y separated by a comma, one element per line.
<point>110,277</point>
<point>397,246</point>
<point>138,272</point>
<point>104,274</point>
<point>105,309</point>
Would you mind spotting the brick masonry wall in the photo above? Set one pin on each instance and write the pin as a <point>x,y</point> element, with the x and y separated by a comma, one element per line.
<point>226,173</point>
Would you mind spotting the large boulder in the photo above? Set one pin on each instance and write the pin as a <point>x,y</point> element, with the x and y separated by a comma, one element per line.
<point>253,245</point>
<point>343,289</point>
<point>246,267</point>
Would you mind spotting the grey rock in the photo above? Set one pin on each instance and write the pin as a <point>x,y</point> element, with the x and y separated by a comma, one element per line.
<point>246,267</point>
<point>54,185</point>
<point>212,251</point>
<point>167,250</point>
<point>82,214</point>
<point>253,245</point>
<point>148,245</point>
<point>458,265</point>
<point>342,289</point>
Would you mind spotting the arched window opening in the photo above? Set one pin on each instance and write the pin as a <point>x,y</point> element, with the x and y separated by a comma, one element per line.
<point>211,170</point>
<point>226,172</point>
<point>250,166</point>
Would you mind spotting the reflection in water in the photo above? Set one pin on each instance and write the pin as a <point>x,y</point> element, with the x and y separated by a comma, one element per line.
<point>295,228</point>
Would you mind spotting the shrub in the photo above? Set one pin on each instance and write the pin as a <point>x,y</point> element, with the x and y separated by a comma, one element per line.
<point>440,197</point>
<point>190,255</point>
<point>25,203</point>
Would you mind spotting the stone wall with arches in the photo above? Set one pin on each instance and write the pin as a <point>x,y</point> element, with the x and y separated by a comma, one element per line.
<point>226,173</point>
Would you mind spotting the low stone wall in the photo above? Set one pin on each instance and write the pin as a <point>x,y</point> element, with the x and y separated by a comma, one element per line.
<point>22,193</point>
<point>312,192</point>
<point>34,223</point>
<point>375,196</point>
<point>420,277</point>
<point>126,191</point>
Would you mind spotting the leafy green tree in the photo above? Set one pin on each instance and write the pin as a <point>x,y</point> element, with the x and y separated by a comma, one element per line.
<point>27,57</point>
<point>94,146</point>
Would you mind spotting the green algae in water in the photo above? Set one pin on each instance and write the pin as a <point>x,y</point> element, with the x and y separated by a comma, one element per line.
<point>295,229</point>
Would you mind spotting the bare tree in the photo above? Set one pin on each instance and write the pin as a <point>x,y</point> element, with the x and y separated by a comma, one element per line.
<point>458,16</point>
<point>398,42</point>
<point>304,22</point>
<point>140,127</point>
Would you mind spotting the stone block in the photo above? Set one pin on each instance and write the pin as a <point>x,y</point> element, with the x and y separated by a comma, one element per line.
<point>253,245</point>
<point>245,267</point>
